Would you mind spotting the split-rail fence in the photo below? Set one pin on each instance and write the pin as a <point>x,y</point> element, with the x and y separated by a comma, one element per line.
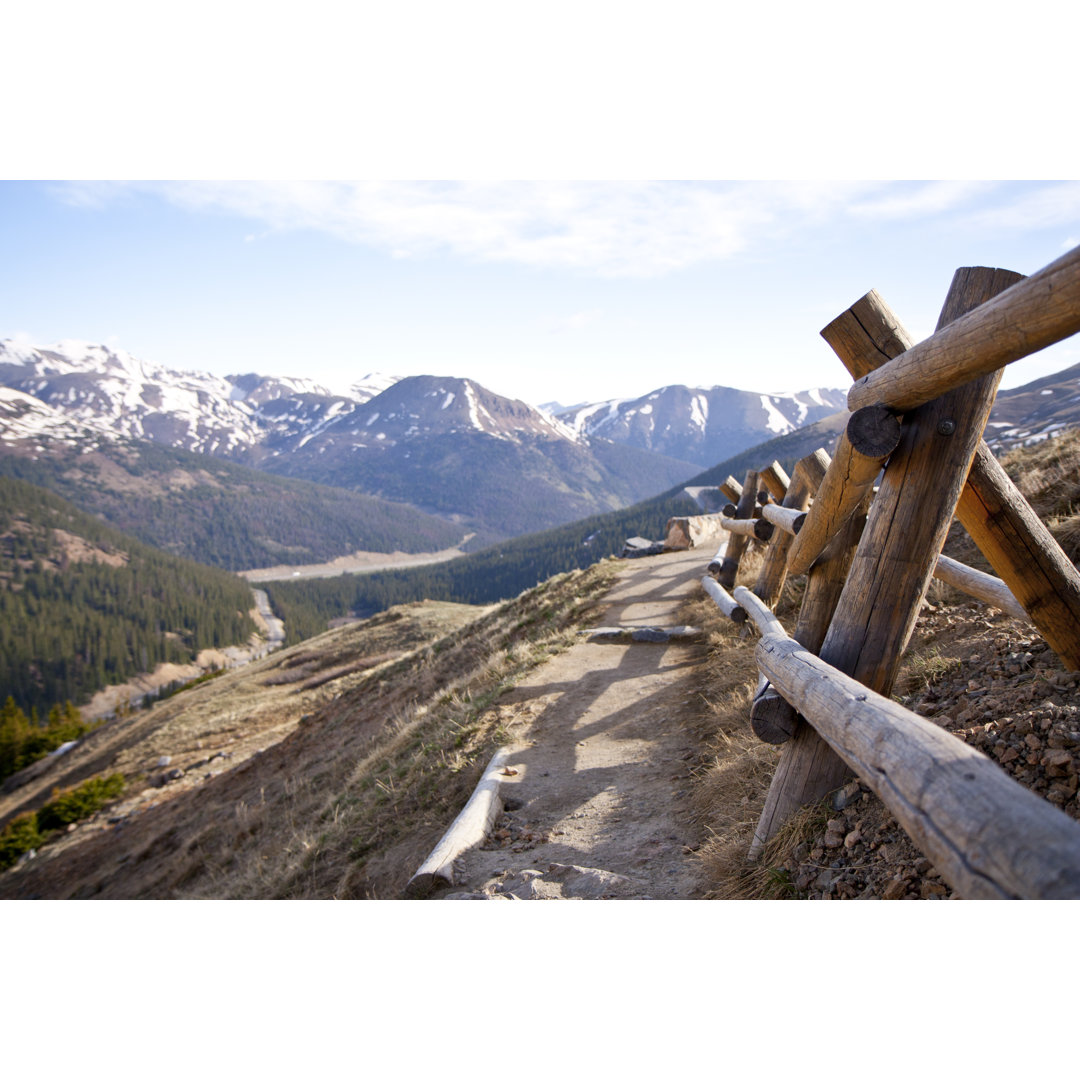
<point>866,527</point>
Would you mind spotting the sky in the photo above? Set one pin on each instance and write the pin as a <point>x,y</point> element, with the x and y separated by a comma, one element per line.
<point>544,291</point>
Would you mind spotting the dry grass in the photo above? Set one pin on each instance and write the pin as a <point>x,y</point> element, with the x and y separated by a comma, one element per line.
<point>737,767</point>
<point>352,798</point>
<point>1048,475</point>
<point>363,827</point>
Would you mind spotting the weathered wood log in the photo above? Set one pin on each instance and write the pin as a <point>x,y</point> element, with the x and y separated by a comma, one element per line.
<point>867,335</point>
<point>772,719</point>
<point>1029,316</point>
<point>732,489</point>
<point>469,829</point>
<point>874,431</point>
<point>912,512</point>
<point>729,510</point>
<point>805,481</point>
<point>988,836</point>
<point>807,770</point>
<point>718,559</point>
<point>895,558</point>
<point>775,480</point>
<point>850,476</point>
<point>1015,542</point>
<point>784,517</point>
<point>764,498</point>
<point>771,725</point>
<point>765,622</point>
<point>984,587</point>
<point>1024,554</point>
<point>737,543</point>
<point>724,600</point>
<point>751,528</point>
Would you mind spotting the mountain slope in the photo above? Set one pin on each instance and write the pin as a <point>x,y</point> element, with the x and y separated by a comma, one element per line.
<point>508,567</point>
<point>217,512</point>
<point>83,606</point>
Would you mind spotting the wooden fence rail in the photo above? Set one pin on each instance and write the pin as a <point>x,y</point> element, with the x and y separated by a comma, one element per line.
<point>919,412</point>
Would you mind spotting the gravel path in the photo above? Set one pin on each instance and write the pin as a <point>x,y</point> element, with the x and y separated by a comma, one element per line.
<point>599,804</point>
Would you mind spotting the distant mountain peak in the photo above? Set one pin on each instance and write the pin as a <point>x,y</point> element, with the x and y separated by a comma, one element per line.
<point>701,424</point>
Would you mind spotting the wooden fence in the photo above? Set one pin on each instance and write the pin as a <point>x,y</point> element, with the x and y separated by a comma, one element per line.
<point>867,528</point>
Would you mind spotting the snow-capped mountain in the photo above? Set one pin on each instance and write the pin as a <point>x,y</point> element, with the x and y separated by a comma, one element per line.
<point>112,390</point>
<point>25,419</point>
<point>247,416</point>
<point>447,445</point>
<point>421,406</point>
<point>702,424</point>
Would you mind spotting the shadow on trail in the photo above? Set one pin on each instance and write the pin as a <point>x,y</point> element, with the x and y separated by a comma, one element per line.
<point>560,780</point>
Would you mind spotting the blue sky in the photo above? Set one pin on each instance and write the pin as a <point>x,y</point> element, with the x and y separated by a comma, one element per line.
<point>545,291</point>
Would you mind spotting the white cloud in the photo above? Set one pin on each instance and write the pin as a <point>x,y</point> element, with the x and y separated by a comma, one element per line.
<point>1040,207</point>
<point>636,229</point>
<point>920,199</point>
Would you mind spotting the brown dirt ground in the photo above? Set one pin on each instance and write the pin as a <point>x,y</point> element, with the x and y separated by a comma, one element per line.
<point>600,805</point>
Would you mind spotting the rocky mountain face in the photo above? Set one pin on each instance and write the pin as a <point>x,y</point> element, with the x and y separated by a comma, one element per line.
<point>702,424</point>
<point>500,467</point>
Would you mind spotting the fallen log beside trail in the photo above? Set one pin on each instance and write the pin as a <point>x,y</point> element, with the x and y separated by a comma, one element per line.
<point>469,829</point>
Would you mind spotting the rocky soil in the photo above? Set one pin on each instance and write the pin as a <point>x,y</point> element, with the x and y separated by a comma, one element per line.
<point>991,681</point>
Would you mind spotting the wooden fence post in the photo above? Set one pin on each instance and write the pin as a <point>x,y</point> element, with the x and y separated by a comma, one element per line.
<point>850,477</point>
<point>808,769</point>
<point>1034,313</point>
<point>806,478</point>
<point>1015,542</point>
<point>775,480</point>
<point>897,552</point>
<point>737,544</point>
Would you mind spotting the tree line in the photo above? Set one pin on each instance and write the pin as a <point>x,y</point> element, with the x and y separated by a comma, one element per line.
<point>70,625</point>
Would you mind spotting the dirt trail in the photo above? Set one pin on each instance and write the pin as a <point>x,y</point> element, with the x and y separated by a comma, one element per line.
<point>599,806</point>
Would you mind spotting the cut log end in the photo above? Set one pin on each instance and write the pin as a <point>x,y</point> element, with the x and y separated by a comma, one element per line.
<point>874,431</point>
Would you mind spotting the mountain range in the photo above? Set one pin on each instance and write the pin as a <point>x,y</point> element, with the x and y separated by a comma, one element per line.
<point>702,424</point>
<point>446,446</point>
<point>397,458</point>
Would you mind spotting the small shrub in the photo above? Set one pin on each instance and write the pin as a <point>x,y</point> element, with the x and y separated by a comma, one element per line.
<point>77,803</point>
<point>20,835</point>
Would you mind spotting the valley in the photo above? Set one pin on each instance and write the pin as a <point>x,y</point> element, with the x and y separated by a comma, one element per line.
<point>359,562</point>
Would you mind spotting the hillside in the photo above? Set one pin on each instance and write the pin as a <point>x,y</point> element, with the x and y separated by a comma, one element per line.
<point>372,736</point>
<point>303,773</point>
<point>221,513</point>
<point>83,606</point>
